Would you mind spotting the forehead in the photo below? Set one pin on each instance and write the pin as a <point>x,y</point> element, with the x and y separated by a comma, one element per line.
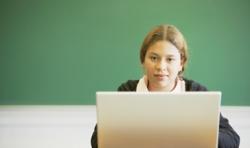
<point>163,48</point>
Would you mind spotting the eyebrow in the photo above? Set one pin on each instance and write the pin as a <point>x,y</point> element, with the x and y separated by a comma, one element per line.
<point>153,53</point>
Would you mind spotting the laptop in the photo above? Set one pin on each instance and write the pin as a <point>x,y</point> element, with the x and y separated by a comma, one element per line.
<point>158,119</point>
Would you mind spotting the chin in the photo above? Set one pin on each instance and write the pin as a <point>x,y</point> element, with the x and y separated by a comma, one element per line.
<point>162,84</point>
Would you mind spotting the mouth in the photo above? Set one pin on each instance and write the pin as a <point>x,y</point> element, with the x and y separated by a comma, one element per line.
<point>160,76</point>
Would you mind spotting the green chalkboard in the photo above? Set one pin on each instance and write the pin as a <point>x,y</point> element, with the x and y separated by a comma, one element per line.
<point>61,52</point>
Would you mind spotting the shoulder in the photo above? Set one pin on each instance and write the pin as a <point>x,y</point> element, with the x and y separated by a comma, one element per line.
<point>192,85</point>
<point>130,85</point>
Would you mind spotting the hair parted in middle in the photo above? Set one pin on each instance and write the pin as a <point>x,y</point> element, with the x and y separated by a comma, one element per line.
<point>166,33</point>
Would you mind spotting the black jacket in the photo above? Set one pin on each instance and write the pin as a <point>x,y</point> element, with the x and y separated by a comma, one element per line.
<point>228,138</point>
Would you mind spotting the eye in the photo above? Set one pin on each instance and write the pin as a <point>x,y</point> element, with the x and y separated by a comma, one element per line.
<point>170,59</point>
<point>153,58</point>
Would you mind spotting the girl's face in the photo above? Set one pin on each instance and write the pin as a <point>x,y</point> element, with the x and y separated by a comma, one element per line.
<point>161,66</point>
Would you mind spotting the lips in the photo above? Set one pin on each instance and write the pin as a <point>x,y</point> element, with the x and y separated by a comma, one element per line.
<point>160,76</point>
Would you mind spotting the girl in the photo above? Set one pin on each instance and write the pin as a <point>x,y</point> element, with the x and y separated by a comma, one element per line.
<point>163,56</point>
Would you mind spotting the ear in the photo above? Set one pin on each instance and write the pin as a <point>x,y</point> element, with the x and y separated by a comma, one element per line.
<point>142,65</point>
<point>182,61</point>
<point>180,67</point>
<point>143,68</point>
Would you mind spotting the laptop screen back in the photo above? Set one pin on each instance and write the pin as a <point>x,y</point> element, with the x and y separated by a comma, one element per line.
<point>158,120</point>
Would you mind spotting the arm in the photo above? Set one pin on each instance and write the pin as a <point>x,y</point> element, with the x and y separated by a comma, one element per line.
<point>128,86</point>
<point>94,138</point>
<point>228,138</point>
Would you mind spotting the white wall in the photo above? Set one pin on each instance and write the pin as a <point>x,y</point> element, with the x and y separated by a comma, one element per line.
<point>72,126</point>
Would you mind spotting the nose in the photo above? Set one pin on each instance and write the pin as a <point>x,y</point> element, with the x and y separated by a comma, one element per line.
<point>161,65</point>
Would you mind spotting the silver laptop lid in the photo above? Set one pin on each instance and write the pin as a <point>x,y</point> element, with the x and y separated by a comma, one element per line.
<point>158,120</point>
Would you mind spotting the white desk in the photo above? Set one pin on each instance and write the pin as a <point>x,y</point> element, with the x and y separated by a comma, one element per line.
<point>72,126</point>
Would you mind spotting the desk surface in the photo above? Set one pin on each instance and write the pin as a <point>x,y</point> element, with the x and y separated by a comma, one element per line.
<point>72,126</point>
